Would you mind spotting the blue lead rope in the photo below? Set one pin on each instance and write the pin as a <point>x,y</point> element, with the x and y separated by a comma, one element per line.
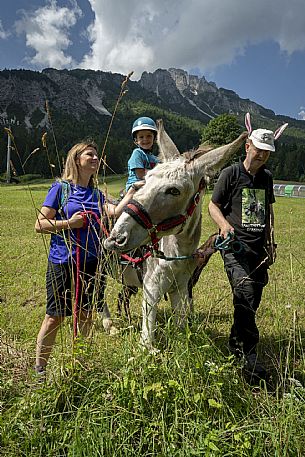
<point>161,255</point>
<point>220,244</point>
<point>230,242</point>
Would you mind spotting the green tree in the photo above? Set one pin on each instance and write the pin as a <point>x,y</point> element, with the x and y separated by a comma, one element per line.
<point>221,130</point>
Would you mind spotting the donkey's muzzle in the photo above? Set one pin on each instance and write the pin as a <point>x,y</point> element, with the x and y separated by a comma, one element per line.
<point>116,242</point>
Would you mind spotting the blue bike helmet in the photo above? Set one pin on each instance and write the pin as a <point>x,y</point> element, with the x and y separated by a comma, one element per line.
<point>143,123</point>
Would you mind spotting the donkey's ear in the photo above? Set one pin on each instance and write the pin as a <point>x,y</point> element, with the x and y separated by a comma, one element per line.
<point>167,148</point>
<point>210,162</point>
<point>248,123</point>
<point>279,131</point>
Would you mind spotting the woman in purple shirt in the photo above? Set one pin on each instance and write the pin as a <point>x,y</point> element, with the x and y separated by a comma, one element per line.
<point>62,216</point>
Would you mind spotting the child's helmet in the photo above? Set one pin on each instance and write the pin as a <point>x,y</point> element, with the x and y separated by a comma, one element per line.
<point>143,123</point>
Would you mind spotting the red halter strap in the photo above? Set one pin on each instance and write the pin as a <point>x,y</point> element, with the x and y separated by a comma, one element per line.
<point>141,216</point>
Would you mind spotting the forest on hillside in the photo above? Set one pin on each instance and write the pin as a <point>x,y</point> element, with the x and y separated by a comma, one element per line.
<point>288,163</point>
<point>64,131</point>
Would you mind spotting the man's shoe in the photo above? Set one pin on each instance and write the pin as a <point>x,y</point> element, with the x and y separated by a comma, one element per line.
<point>236,351</point>
<point>253,370</point>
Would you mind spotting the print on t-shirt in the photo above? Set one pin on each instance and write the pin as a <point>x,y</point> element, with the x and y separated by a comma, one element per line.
<point>254,209</point>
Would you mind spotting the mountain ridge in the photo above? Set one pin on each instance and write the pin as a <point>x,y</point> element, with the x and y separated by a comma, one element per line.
<point>81,103</point>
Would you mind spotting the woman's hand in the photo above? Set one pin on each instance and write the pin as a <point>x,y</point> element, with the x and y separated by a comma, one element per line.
<point>116,211</point>
<point>137,185</point>
<point>46,222</point>
<point>76,220</point>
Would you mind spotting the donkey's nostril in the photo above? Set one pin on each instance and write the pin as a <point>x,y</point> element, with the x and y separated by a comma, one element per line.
<point>116,241</point>
<point>120,240</point>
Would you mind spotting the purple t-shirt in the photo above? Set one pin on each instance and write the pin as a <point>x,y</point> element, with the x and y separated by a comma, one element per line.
<point>63,244</point>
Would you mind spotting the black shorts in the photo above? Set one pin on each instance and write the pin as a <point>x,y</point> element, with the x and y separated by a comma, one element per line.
<point>60,285</point>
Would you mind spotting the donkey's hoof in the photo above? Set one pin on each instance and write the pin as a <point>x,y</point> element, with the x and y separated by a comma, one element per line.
<point>114,331</point>
<point>148,347</point>
<point>154,351</point>
<point>109,327</point>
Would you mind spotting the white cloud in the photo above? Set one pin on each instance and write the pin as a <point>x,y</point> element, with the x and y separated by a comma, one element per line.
<point>133,35</point>
<point>3,33</point>
<point>117,36</point>
<point>47,33</point>
<point>301,113</point>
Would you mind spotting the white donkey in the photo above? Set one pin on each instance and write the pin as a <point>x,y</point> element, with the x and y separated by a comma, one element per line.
<point>168,208</point>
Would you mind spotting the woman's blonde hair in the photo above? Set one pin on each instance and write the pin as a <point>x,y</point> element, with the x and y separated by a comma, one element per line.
<point>70,172</point>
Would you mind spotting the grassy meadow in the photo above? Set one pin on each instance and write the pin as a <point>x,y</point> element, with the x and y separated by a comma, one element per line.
<point>106,397</point>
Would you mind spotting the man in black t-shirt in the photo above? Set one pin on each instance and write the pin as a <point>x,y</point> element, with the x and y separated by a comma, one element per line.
<point>241,205</point>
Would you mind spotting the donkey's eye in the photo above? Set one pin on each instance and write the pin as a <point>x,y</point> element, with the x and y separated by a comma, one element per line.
<point>172,191</point>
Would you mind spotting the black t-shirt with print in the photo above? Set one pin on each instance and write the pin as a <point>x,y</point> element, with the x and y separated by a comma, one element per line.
<point>245,201</point>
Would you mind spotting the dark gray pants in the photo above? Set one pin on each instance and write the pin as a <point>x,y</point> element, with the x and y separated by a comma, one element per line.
<point>247,282</point>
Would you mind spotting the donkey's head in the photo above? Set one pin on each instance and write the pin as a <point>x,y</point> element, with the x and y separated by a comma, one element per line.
<point>170,198</point>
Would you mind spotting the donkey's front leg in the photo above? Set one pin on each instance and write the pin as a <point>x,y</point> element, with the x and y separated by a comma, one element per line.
<point>181,305</point>
<point>149,312</point>
<point>153,289</point>
<point>156,283</point>
<point>108,324</point>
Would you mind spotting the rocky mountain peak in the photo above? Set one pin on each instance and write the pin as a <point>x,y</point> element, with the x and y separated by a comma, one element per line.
<point>194,83</point>
<point>198,97</point>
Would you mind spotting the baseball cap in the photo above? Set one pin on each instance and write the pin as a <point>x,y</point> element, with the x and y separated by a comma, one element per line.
<point>263,139</point>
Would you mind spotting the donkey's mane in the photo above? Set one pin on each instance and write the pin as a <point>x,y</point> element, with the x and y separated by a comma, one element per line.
<point>177,170</point>
<point>190,156</point>
<point>174,169</point>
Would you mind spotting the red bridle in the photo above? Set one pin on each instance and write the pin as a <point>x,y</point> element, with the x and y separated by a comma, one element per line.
<point>141,216</point>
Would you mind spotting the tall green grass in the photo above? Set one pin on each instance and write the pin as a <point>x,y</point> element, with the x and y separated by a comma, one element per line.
<point>106,397</point>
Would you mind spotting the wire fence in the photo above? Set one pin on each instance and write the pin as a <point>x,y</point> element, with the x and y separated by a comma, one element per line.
<point>289,190</point>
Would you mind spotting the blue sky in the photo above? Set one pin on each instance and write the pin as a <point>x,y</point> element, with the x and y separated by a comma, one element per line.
<point>255,48</point>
